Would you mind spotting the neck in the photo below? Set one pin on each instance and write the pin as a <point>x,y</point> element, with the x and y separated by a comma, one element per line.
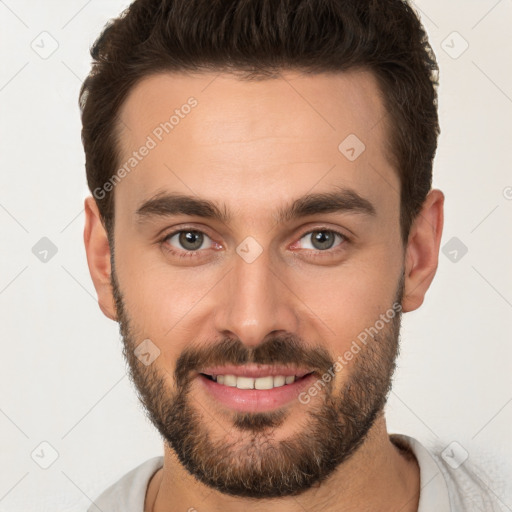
<point>378,476</point>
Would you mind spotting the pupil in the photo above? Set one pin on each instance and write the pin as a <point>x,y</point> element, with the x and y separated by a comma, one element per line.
<point>323,239</point>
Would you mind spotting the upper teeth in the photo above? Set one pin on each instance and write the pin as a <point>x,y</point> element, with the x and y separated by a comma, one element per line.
<point>268,382</point>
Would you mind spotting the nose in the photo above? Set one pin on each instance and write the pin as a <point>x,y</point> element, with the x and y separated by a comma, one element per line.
<point>255,301</point>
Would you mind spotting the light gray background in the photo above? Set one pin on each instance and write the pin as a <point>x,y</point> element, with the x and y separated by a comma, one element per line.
<point>62,376</point>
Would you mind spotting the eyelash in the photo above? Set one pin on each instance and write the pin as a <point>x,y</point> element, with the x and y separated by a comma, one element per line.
<point>315,253</point>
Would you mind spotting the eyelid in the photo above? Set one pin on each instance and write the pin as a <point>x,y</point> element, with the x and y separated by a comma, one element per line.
<point>324,228</point>
<point>163,235</point>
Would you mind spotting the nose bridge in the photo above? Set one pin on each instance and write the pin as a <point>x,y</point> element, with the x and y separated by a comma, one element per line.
<point>255,302</point>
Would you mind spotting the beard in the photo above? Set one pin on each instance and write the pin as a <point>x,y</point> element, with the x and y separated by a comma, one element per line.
<point>247,460</point>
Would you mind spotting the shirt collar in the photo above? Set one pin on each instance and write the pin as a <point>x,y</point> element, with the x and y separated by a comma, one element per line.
<point>433,490</point>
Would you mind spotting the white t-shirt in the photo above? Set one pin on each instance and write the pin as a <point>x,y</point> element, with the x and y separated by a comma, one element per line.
<point>447,485</point>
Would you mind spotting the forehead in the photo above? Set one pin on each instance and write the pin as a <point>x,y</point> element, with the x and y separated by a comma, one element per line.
<point>207,132</point>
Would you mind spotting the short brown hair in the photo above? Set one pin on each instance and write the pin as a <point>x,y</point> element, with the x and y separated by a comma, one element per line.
<point>257,39</point>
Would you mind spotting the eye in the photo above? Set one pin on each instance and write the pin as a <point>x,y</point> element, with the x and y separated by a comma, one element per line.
<point>321,239</point>
<point>188,240</point>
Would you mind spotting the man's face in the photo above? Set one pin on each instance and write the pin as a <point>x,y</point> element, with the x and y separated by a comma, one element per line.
<point>256,286</point>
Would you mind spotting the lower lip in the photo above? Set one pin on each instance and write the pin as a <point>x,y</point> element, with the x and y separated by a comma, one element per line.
<point>256,400</point>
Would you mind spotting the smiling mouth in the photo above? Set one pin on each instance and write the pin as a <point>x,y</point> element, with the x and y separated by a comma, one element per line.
<point>265,382</point>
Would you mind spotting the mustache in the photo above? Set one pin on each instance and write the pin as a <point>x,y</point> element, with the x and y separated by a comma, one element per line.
<point>286,350</point>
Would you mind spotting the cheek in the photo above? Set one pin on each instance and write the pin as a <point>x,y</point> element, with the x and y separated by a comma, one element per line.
<point>348,299</point>
<point>162,302</point>
<point>159,304</point>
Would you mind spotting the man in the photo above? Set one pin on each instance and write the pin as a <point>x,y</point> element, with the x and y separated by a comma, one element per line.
<point>261,216</point>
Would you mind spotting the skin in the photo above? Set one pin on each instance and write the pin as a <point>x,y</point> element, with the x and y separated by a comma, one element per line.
<point>256,146</point>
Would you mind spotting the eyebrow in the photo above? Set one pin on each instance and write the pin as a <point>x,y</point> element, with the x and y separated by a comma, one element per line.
<point>170,204</point>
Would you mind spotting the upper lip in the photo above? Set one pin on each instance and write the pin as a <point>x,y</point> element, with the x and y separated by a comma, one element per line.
<point>256,371</point>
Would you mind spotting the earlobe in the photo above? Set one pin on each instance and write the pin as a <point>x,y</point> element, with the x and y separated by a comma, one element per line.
<point>422,253</point>
<point>97,249</point>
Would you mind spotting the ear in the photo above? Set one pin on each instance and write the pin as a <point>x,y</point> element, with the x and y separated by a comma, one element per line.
<point>422,253</point>
<point>98,257</point>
